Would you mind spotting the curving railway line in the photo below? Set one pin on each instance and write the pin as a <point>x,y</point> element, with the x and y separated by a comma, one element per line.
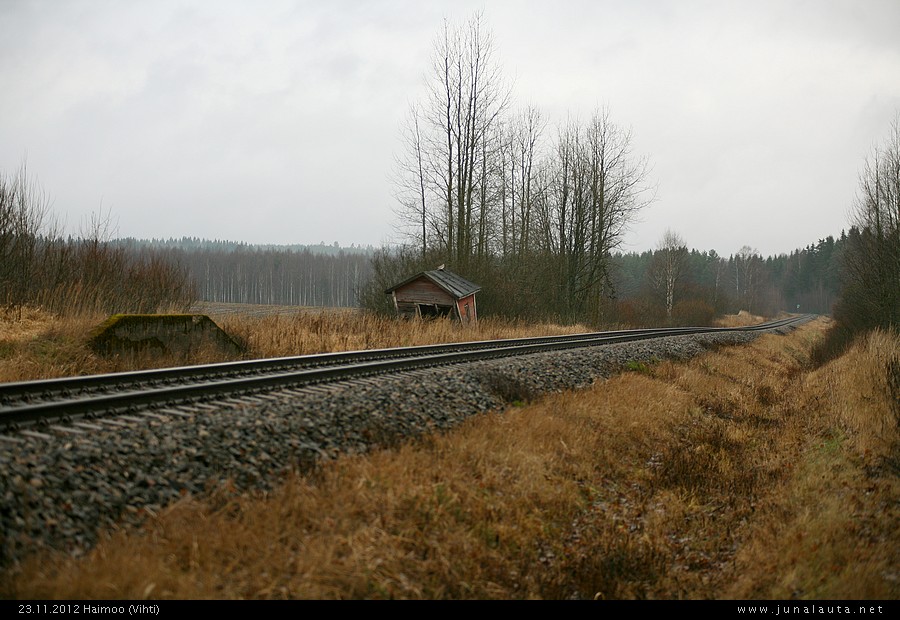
<point>34,404</point>
<point>81,455</point>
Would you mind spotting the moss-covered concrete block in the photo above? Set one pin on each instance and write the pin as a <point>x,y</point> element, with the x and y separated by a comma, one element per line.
<point>169,334</point>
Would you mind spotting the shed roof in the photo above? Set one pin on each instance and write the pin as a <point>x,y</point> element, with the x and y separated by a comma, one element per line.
<point>452,283</point>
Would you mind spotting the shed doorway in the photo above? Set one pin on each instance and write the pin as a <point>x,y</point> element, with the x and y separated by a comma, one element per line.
<point>427,311</point>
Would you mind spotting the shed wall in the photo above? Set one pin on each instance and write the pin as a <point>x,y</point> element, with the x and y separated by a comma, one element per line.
<point>461,307</point>
<point>423,291</point>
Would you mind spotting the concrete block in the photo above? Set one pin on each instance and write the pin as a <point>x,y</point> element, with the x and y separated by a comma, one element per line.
<point>179,335</point>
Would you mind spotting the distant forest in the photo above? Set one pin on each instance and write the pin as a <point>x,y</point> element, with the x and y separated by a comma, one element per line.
<point>806,279</point>
<point>196,243</point>
<point>232,272</point>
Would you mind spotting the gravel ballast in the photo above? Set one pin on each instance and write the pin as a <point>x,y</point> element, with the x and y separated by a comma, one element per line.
<point>62,492</point>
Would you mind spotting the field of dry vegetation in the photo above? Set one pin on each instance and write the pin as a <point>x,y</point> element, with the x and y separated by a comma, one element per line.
<point>742,474</point>
<point>42,346</point>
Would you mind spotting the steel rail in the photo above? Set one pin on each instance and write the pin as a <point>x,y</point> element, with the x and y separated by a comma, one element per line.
<point>26,390</point>
<point>341,366</point>
<point>66,386</point>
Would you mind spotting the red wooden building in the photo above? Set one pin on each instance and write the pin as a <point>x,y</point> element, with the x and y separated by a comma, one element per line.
<point>436,293</point>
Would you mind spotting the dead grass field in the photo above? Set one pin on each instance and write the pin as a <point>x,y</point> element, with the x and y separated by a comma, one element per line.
<point>741,474</point>
<point>741,319</point>
<point>42,346</point>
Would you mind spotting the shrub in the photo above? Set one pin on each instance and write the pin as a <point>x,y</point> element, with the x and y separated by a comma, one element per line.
<point>693,312</point>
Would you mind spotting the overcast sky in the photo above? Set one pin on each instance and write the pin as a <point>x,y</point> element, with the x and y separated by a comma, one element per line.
<point>278,121</point>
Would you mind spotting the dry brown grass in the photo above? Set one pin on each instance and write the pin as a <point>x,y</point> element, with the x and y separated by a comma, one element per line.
<point>43,346</point>
<point>315,332</point>
<point>837,535</point>
<point>739,474</point>
<point>741,319</point>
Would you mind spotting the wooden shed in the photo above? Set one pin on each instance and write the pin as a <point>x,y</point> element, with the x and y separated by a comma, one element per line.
<point>436,293</point>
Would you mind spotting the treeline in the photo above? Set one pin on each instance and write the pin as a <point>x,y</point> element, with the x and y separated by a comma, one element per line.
<point>69,275</point>
<point>233,272</point>
<point>94,273</point>
<point>669,285</point>
<point>678,286</point>
<point>870,266</point>
<point>198,243</point>
<point>257,276</point>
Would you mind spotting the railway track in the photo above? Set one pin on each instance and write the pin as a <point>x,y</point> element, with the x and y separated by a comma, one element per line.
<point>83,455</point>
<point>33,404</point>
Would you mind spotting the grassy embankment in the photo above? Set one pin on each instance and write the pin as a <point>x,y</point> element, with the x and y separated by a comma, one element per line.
<point>744,473</point>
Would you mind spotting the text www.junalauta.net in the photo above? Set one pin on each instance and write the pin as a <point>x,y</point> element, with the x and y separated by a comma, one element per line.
<point>811,608</point>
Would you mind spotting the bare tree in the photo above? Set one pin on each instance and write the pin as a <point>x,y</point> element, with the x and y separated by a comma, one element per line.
<point>411,181</point>
<point>747,271</point>
<point>519,154</point>
<point>668,267</point>
<point>24,221</point>
<point>467,95</point>
<point>871,294</point>
<point>720,272</point>
<point>597,189</point>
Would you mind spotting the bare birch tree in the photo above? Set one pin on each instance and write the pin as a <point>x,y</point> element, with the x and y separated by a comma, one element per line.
<point>747,268</point>
<point>668,267</point>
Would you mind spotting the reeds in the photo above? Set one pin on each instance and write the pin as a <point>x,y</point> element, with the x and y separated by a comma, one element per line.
<point>321,332</point>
